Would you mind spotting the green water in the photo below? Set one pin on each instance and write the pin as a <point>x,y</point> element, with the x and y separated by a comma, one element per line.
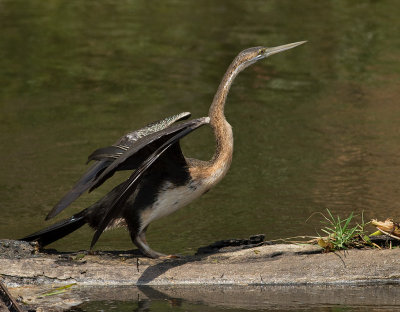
<point>240,298</point>
<point>315,127</point>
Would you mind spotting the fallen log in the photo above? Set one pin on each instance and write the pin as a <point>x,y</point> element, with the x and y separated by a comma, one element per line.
<point>22,267</point>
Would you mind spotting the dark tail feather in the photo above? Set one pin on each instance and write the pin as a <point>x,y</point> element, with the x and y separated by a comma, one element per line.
<point>58,230</point>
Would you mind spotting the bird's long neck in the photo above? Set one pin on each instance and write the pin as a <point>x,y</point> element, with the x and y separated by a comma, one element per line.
<point>222,129</point>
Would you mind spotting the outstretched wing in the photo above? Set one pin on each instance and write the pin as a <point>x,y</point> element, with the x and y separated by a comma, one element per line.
<point>105,156</point>
<point>118,148</point>
<point>149,144</point>
<point>164,141</point>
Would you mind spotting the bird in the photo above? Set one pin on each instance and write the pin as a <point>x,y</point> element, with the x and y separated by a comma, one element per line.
<point>163,180</point>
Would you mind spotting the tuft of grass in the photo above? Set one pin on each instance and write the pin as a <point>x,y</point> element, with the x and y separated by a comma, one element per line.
<point>342,233</point>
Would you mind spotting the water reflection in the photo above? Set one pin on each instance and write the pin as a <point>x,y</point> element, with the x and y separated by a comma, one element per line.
<point>241,298</point>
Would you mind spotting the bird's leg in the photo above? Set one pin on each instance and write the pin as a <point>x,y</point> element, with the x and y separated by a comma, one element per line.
<point>142,235</point>
<point>139,239</point>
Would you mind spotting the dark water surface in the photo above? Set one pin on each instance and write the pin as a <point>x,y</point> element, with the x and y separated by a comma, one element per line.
<point>243,298</point>
<point>316,127</point>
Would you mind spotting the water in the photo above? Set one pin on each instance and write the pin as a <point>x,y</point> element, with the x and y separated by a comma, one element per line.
<point>315,127</point>
<point>241,298</point>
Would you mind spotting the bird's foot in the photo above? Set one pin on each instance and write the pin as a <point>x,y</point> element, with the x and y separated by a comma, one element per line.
<point>92,252</point>
<point>152,254</point>
<point>170,257</point>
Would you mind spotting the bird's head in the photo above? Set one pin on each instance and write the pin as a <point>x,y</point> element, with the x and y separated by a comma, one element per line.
<point>252,55</point>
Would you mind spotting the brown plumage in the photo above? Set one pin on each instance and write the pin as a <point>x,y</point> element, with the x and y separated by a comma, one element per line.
<point>163,179</point>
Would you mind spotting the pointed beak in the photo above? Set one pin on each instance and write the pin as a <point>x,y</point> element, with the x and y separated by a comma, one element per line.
<point>274,50</point>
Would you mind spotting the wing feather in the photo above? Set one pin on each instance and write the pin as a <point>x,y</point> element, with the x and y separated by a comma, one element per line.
<point>105,156</point>
<point>107,153</point>
<point>153,140</point>
<point>133,181</point>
